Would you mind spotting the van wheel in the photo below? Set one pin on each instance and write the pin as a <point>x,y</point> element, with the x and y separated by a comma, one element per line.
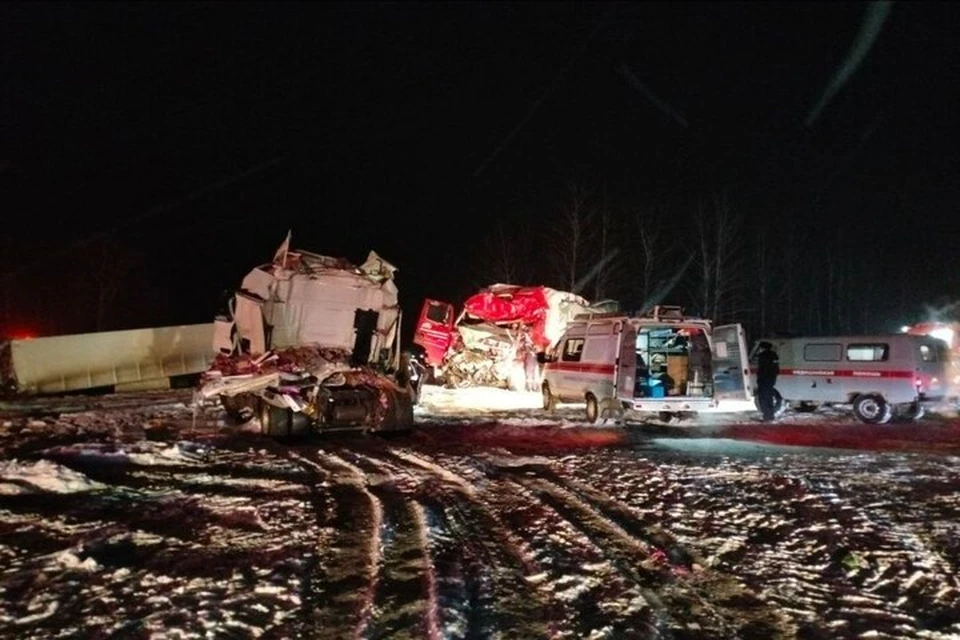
<point>549,400</point>
<point>910,411</point>
<point>806,407</point>
<point>665,417</point>
<point>593,408</point>
<point>872,409</point>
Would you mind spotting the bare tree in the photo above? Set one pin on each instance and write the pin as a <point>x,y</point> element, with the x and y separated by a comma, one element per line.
<point>109,265</point>
<point>570,245</point>
<point>505,258</point>
<point>601,281</point>
<point>764,274</point>
<point>607,261</point>
<point>722,280</point>
<point>789,263</point>
<point>653,251</point>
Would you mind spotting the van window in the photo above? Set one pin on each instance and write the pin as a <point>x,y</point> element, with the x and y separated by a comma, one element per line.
<point>868,352</point>
<point>943,351</point>
<point>822,352</point>
<point>927,353</point>
<point>572,349</point>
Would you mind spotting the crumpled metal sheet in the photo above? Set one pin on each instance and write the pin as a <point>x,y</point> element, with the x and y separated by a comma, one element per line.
<point>543,310</point>
<point>487,355</point>
<point>289,371</point>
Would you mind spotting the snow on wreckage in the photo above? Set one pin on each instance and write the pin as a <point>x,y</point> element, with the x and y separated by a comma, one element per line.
<point>309,343</point>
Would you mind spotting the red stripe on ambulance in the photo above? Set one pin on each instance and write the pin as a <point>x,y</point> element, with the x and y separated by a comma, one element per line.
<point>844,373</point>
<point>576,367</point>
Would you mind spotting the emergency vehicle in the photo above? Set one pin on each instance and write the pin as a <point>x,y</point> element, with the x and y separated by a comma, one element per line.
<point>661,362</point>
<point>881,376</point>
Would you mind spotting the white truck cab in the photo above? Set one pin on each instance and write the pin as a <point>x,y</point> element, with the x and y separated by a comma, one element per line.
<point>662,362</point>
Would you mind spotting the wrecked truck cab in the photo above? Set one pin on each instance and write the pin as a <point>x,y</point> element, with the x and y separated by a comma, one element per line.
<point>499,336</point>
<point>310,343</point>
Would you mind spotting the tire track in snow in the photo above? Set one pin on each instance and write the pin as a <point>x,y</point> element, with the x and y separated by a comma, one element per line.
<point>467,596</point>
<point>406,596</point>
<point>342,575</point>
<point>483,561</point>
<point>585,586</point>
<point>458,580</point>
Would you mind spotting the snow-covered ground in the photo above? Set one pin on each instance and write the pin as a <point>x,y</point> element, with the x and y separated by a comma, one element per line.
<point>139,516</point>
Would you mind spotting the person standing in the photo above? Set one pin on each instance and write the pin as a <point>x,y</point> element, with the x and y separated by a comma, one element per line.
<point>768,367</point>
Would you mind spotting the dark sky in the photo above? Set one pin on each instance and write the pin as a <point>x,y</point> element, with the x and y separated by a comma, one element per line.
<point>195,134</point>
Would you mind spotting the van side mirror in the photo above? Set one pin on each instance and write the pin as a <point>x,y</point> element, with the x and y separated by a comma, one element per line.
<point>544,357</point>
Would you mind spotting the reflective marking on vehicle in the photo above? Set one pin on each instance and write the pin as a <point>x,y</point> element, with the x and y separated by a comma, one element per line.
<point>576,367</point>
<point>843,373</point>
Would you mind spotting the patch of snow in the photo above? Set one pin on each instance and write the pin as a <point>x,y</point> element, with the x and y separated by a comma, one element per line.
<point>49,610</point>
<point>68,560</point>
<point>18,478</point>
<point>145,454</point>
<point>537,578</point>
<point>437,399</point>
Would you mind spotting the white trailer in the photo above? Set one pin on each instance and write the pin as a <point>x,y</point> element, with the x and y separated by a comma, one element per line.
<point>134,359</point>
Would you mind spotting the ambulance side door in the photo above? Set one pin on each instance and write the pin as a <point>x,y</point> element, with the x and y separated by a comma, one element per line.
<point>731,367</point>
<point>626,362</point>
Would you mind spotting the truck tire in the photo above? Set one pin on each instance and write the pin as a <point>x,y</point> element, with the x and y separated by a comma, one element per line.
<point>593,408</point>
<point>241,408</point>
<point>549,400</point>
<point>872,409</point>
<point>398,416</point>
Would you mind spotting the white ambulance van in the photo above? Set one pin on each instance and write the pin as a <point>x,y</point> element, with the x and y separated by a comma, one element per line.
<point>881,376</point>
<point>662,362</point>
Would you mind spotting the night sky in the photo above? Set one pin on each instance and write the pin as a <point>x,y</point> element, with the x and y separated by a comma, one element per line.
<point>176,143</point>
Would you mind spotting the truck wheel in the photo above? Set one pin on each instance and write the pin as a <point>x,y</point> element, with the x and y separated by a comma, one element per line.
<point>549,401</point>
<point>241,408</point>
<point>593,408</point>
<point>398,414</point>
<point>872,409</point>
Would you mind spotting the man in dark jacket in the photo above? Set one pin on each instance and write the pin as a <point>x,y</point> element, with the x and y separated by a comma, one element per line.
<point>768,367</point>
